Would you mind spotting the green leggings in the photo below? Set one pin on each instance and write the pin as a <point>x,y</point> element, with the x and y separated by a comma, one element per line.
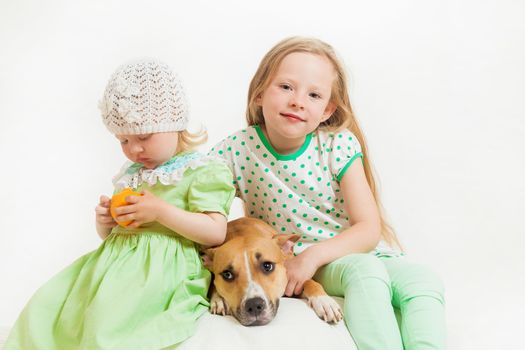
<point>372,287</point>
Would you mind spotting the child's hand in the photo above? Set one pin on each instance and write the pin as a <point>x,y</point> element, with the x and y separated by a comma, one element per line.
<point>299,269</point>
<point>103,216</point>
<point>141,209</point>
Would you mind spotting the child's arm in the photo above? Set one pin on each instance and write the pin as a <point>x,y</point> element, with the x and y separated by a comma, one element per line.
<point>365,231</point>
<point>361,237</point>
<point>104,221</point>
<point>207,229</point>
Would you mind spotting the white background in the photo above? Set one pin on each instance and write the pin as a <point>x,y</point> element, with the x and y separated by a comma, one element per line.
<point>438,86</point>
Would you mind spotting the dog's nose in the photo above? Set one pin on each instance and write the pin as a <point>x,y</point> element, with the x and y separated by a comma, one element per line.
<point>255,306</point>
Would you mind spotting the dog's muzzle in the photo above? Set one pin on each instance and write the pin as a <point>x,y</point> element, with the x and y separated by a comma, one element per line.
<point>256,312</point>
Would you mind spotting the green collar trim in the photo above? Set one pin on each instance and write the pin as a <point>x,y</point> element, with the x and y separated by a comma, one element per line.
<point>278,156</point>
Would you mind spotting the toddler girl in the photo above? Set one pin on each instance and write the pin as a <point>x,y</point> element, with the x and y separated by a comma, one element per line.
<point>145,286</point>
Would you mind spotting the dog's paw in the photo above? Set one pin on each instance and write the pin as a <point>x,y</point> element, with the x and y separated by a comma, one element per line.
<point>218,305</point>
<point>326,308</point>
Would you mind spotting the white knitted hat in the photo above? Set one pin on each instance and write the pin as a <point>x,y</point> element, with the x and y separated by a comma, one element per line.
<point>144,97</point>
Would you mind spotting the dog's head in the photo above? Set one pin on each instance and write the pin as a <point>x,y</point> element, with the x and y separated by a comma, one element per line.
<point>249,271</point>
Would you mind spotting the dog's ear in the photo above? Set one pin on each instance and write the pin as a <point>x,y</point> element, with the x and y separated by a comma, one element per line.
<point>207,257</point>
<point>286,242</point>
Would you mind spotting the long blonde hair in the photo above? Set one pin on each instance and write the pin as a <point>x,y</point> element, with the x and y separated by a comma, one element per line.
<point>342,118</point>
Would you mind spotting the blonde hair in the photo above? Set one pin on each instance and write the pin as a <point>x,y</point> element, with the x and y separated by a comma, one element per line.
<point>190,140</point>
<point>342,118</point>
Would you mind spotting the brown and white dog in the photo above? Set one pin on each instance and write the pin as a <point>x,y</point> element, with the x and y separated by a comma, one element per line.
<point>250,276</point>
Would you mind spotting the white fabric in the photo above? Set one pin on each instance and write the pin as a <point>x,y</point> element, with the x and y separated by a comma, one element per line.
<point>296,326</point>
<point>144,97</point>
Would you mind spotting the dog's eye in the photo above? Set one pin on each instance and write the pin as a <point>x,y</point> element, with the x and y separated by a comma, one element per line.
<point>227,275</point>
<point>267,266</point>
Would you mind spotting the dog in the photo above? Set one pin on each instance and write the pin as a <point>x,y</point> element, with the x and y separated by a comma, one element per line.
<point>250,276</point>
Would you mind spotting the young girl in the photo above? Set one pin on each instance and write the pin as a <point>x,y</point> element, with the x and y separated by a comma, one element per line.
<point>302,166</point>
<point>145,287</point>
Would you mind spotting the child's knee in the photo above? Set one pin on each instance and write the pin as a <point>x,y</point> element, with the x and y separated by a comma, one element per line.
<point>418,281</point>
<point>362,267</point>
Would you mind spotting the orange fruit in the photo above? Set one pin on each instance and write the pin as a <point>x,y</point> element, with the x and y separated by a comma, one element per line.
<point>119,200</point>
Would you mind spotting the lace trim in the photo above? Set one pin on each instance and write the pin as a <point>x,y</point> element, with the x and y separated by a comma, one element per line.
<point>170,173</point>
<point>383,249</point>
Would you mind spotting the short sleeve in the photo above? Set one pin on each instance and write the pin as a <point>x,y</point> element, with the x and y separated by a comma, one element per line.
<point>211,189</point>
<point>344,151</point>
<point>223,151</point>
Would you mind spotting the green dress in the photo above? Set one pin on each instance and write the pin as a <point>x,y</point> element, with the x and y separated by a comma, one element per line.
<point>142,288</point>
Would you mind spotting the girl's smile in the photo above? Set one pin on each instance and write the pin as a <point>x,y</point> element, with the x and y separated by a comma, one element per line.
<point>292,117</point>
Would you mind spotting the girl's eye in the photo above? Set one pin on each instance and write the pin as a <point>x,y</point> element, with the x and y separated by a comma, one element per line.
<point>315,95</point>
<point>123,142</point>
<point>144,138</point>
<point>285,87</point>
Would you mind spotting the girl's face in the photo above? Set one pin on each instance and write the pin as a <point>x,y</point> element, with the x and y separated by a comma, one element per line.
<point>297,99</point>
<point>151,150</point>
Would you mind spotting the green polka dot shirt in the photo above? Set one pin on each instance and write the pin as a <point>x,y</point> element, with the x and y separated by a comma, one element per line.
<point>295,193</point>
